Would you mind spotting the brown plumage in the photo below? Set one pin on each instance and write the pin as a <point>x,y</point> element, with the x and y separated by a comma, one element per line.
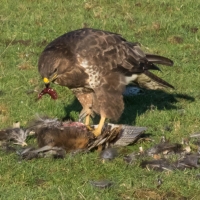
<point>97,65</point>
<point>69,138</point>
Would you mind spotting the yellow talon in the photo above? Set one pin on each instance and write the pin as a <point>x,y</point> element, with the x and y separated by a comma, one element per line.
<point>97,132</point>
<point>87,120</point>
<point>89,128</point>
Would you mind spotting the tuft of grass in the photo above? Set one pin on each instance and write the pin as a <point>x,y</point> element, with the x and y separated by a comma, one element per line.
<point>169,28</point>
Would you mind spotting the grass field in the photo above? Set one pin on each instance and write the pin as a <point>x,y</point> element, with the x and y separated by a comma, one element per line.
<point>170,28</point>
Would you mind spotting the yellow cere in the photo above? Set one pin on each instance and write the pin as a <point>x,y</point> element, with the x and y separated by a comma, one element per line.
<point>46,80</point>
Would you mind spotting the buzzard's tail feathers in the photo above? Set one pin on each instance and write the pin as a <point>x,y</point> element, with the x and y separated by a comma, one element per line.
<point>157,79</point>
<point>159,59</point>
<point>152,67</point>
<point>149,80</point>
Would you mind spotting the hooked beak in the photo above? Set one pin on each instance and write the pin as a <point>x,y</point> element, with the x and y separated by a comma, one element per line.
<point>52,78</point>
<point>46,80</point>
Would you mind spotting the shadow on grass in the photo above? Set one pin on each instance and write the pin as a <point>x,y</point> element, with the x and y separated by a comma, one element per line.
<point>136,105</point>
<point>151,100</point>
<point>72,110</point>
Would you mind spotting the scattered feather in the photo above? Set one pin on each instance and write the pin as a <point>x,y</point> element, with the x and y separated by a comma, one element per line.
<point>109,154</point>
<point>189,161</point>
<point>17,135</point>
<point>101,184</point>
<point>46,151</point>
<point>158,165</point>
<point>165,148</point>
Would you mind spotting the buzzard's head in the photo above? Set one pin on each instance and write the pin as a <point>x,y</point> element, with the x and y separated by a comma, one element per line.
<point>49,69</point>
<point>53,64</point>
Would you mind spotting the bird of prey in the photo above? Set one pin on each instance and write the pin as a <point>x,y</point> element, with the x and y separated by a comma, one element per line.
<point>97,65</point>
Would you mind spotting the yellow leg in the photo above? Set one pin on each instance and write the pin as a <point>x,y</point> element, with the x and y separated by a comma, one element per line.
<point>97,131</point>
<point>87,120</point>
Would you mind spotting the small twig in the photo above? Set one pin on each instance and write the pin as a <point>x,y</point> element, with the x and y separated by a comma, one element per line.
<point>8,45</point>
<point>60,193</point>
<point>81,195</point>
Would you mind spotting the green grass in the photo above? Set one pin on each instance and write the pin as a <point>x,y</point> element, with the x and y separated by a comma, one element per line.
<point>169,28</point>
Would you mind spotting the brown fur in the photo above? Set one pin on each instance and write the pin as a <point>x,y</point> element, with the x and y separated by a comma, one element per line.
<point>69,138</point>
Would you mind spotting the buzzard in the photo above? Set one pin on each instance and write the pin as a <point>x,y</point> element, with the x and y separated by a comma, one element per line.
<point>97,65</point>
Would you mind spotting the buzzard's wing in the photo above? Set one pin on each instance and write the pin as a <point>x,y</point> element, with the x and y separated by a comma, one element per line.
<point>112,53</point>
<point>111,62</point>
